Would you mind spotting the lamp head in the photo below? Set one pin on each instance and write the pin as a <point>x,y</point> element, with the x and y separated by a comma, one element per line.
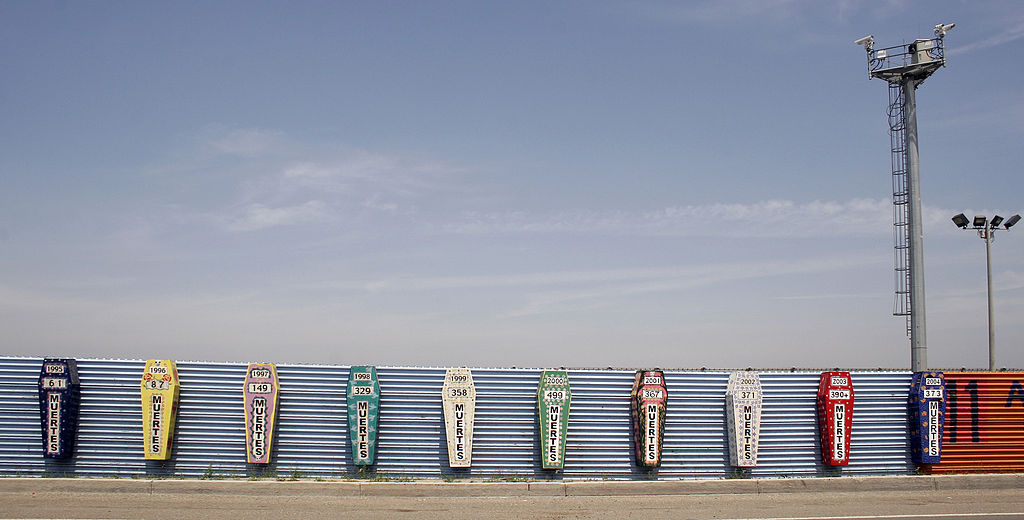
<point>979,221</point>
<point>996,220</point>
<point>1011,221</point>
<point>961,221</point>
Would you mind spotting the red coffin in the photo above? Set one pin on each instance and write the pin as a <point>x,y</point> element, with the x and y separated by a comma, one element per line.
<point>835,417</point>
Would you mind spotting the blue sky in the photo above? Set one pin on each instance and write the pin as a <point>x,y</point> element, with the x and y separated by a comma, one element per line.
<point>679,184</point>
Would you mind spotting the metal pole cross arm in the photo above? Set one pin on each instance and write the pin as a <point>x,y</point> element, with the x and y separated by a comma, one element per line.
<point>986,229</point>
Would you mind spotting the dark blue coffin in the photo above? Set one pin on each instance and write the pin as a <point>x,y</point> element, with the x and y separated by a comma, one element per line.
<point>926,411</point>
<point>59,397</point>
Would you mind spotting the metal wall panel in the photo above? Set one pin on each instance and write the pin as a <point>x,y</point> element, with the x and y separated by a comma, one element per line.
<point>984,428</point>
<point>312,436</point>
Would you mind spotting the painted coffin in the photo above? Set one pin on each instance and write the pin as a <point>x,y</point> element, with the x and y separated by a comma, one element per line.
<point>458,397</point>
<point>835,417</point>
<point>649,400</point>
<point>260,392</point>
<point>59,398</point>
<point>743,415</point>
<point>926,412</point>
<point>553,399</point>
<point>159,407</point>
<point>363,412</point>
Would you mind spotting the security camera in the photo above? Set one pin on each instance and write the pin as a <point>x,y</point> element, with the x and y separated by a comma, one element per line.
<point>866,41</point>
<point>942,29</point>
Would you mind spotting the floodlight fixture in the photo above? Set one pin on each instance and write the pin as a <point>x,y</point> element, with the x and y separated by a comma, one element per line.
<point>986,231</point>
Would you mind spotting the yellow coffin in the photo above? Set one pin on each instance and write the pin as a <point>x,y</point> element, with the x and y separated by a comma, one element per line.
<point>159,407</point>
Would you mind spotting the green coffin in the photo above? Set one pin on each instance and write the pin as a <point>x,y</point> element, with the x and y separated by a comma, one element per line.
<point>553,398</point>
<point>363,412</point>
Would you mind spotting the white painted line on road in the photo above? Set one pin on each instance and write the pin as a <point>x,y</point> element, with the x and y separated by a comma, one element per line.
<point>872,517</point>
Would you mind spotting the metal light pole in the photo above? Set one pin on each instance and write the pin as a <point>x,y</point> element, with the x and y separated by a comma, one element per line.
<point>986,228</point>
<point>904,68</point>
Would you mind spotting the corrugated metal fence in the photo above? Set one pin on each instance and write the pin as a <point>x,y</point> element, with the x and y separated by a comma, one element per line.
<point>984,423</point>
<point>312,438</point>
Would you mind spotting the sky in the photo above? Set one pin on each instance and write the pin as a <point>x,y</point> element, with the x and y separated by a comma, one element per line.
<point>531,184</point>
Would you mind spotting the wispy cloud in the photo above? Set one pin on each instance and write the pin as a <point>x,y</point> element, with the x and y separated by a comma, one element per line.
<point>388,173</point>
<point>257,216</point>
<point>518,280</point>
<point>561,291</point>
<point>248,142</point>
<point>594,295</point>
<point>771,218</point>
<point>826,296</point>
<point>713,11</point>
<point>305,183</point>
<point>1008,35</point>
<point>717,12</point>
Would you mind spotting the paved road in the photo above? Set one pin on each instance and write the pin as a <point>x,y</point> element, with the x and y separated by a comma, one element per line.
<point>1004,504</point>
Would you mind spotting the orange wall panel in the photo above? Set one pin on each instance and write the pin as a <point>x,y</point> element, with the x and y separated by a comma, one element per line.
<point>984,428</point>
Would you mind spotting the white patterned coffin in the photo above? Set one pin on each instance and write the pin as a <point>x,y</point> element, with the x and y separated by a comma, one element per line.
<point>458,397</point>
<point>743,413</point>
